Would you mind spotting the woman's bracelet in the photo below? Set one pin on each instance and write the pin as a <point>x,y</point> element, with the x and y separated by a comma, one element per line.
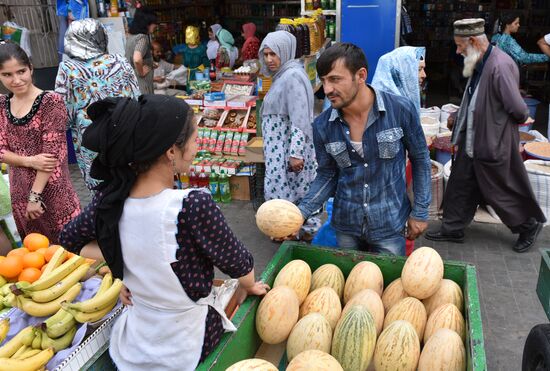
<point>35,197</point>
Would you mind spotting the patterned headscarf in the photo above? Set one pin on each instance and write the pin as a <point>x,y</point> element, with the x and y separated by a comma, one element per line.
<point>85,39</point>
<point>228,42</point>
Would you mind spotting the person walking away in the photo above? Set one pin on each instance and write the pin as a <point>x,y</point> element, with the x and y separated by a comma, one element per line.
<point>251,44</point>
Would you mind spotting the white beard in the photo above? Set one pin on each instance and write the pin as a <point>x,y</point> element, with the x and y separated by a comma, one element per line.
<point>470,61</point>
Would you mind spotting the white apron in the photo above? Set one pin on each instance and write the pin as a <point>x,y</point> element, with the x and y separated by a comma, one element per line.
<point>164,328</point>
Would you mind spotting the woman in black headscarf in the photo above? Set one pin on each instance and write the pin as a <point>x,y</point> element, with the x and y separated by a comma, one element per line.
<point>163,242</point>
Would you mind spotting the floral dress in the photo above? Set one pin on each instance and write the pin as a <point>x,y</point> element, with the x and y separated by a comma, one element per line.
<point>82,83</point>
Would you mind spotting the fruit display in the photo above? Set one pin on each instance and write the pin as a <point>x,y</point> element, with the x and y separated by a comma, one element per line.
<point>329,275</point>
<point>365,275</point>
<point>447,293</point>
<point>446,316</point>
<point>325,301</point>
<point>397,348</point>
<point>422,273</point>
<point>312,332</point>
<point>443,352</point>
<point>277,314</point>
<point>314,360</point>
<point>409,309</point>
<point>253,364</point>
<point>279,218</point>
<point>393,294</point>
<point>297,276</point>
<point>370,300</point>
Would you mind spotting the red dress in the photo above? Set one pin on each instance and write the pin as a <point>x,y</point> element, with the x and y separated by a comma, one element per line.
<point>42,130</point>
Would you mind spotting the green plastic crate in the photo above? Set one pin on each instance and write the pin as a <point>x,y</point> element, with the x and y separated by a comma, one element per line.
<point>244,343</point>
<point>543,284</point>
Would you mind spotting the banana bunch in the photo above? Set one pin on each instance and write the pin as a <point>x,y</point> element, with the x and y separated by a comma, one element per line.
<point>18,353</point>
<point>4,328</point>
<point>97,307</point>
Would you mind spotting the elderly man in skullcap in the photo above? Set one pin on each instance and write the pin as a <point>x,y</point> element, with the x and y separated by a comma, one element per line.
<point>488,167</point>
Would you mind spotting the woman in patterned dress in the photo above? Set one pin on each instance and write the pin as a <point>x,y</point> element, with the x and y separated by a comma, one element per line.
<point>89,75</point>
<point>287,115</point>
<point>251,42</point>
<point>34,144</point>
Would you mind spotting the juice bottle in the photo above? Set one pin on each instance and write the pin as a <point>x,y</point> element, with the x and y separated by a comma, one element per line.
<point>193,179</point>
<point>214,187</point>
<point>225,191</point>
<point>203,180</point>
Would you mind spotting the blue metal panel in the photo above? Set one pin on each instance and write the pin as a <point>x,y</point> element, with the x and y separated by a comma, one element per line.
<point>371,25</point>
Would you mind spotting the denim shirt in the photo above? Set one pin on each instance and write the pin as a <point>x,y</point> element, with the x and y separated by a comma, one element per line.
<point>370,197</point>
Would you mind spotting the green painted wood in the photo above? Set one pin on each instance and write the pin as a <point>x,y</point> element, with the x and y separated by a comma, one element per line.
<point>543,284</point>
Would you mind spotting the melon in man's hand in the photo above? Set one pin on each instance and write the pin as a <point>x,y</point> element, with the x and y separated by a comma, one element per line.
<point>279,218</point>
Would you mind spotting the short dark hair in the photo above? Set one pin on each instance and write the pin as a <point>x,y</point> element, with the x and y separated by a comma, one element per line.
<point>352,55</point>
<point>10,50</point>
<point>143,18</point>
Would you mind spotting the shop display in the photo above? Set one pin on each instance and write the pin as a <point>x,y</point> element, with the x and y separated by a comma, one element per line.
<point>444,350</point>
<point>370,300</point>
<point>447,293</point>
<point>393,294</point>
<point>314,360</point>
<point>329,275</point>
<point>398,347</point>
<point>446,316</point>
<point>297,276</point>
<point>311,332</point>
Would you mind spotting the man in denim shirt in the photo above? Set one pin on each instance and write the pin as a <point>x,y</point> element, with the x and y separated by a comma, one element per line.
<point>360,145</point>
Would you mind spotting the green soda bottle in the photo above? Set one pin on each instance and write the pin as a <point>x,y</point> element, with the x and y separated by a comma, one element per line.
<point>223,184</point>
<point>214,187</point>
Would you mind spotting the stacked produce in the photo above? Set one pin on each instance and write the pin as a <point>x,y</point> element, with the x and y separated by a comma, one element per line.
<point>416,323</point>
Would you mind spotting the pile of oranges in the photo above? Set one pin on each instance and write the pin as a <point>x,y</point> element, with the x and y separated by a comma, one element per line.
<point>28,262</point>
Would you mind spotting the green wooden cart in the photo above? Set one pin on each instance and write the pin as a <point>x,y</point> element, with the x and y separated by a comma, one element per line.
<point>245,342</point>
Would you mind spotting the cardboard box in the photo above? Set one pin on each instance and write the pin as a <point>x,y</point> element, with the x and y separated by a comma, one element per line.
<point>255,150</point>
<point>240,188</point>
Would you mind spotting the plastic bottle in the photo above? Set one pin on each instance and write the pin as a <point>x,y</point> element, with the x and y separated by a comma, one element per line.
<point>193,179</point>
<point>203,180</point>
<point>184,181</point>
<point>214,187</point>
<point>225,191</point>
<point>114,8</point>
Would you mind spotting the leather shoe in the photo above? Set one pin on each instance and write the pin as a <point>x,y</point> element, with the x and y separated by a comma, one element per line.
<point>527,239</point>
<point>456,237</point>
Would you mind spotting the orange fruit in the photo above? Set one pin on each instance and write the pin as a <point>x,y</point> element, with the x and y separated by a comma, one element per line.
<point>19,252</point>
<point>2,257</point>
<point>11,266</point>
<point>29,274</point>
<point>42,251</point>
<point>33,260</point>
<point>35,241</point>
<point>50,251</point>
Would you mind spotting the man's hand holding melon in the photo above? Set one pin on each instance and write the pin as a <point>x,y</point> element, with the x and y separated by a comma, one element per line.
<point>279,219</point>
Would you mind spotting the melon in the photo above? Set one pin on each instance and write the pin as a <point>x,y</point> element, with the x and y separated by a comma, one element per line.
<point>329,275</point>
<point>277,314</point>
<point>411,310</point>
<point>253,364</point>
<point>297,276</point>
<point>397,348</point>
<point>314,360</point>
<point>325,301</point>
<point>354,339</point>
<point>422,273</point>
<point>365,275</point>
<point>312,332</point>
<point>393,294</point>
<point>279,218</point>
<point>446,316</point>
<point>448,293</point>
<point>443,352</point>
<point>370,300</point>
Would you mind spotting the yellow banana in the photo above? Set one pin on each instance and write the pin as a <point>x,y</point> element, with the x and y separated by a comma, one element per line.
<point>57,274</point>
<point>3,281</point>
<point>28,337</point>
<point>83,317</point>
<point>9,300</point>
<point>28,353</point>
<point>37,342</point>
<point>4,328</point>
<point>106,282</point>
<point>52,293</point>
<point>5,290</point>
<point>58,257</point>
<point>9,348</point>
<point>100,301</point>
<point>60,327</point>
<point>47,309</point>
<point>29,364</point>
<point>20,351</point>
<point>60,343</point>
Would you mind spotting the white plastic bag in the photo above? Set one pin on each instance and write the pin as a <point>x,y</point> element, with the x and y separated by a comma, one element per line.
<point>539,177</point>
<point>17,34</point>
<point>179,76</point>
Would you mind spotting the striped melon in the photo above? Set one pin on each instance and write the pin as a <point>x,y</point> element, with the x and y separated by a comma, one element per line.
<point>331,276</point>
<point>443,352</point>
<point>370,300</point>
<point>296,275</point>
<point>365,275</point>
<point>314,360</point>
<point>354,339</point>
<point>253,364</point>
<point>397,348</point>
<point>393,294</point>
<point>411,310</point>
<point>279,218</point>
<point>448,292</point>
<point>446,316</point>
<point>422,273</point>
<point>277,314</point>
<point>325,301</point>
<point>311,332</point>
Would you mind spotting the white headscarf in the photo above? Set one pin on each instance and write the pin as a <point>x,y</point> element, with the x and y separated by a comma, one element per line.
<point>213,45</point>
<point>86,39</point>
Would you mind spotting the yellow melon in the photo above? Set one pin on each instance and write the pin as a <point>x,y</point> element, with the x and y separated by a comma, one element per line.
<point>279,218</point>
<point>311,332</point>
<point>397,348</point>
<point>253,364</point>
<point>422,273</point>
<point>446,316</point>
<point>325,301</point>
<point>371,300</point>
<point>448,293</point>
<point>331,276</point>
<point>296,275</point>
<point>277,314</point>
<point>365,275</point>
<point>314,360</point>
<point>393,294</point>
<point>411,310</point>
<point>443,352</point>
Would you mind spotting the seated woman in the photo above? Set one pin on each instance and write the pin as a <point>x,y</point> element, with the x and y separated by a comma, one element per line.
<point>507,25</point>
<point>165,243</point>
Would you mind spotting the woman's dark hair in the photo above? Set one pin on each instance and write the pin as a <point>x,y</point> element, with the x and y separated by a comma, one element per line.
<point>506,19</point>
<point>10,50</point>
<point>143,18</point>
<point>353,57</point>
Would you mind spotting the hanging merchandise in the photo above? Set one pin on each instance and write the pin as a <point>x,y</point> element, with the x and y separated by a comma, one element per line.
<point>17,34</point>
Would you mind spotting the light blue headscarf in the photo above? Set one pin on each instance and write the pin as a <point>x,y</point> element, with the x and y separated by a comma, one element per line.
<point>397,73</point>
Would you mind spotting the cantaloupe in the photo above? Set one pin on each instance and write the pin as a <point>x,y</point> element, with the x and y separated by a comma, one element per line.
<point>296,275</point>
<point>443,352</point>
<point>393,294</point>
<point>448,292</point>
<point>354,339</point>
<point>331,276</point>
<point>370,300</point>
<point>422,273</point>
<point>314,360</point>
<point>277,314</point>
<point>325,301</point>
<point>365,275</point>
<point>397,348</point>
<point>409,309</point>
<point>253,364</point>
<point>279,218</point>
<point>312,332</point>
<point>446,316</point>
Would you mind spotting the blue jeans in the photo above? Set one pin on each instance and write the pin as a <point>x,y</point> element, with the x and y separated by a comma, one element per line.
<point>394,245</point>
